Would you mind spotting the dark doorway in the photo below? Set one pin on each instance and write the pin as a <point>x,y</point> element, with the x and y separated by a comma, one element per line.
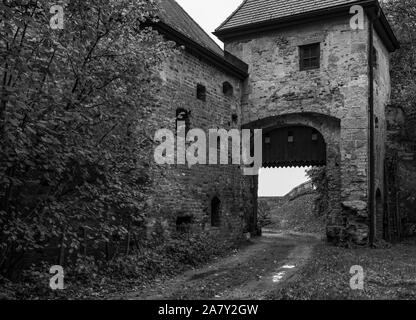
<point>184,223</point>
<point>215,212</point>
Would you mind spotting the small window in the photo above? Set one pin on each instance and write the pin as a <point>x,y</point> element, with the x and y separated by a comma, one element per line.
<point>267,140</point>
<point>290,137</point>
<point>315,135</point>
<point>375,57</point>
<point>376,121</point>
<point>182,115</point>
<point>201,92</point>
<point>215,212</point>
<point>183,224</point>
<point>234,118</point>
<point>310,56</point>
<point>227,89</point>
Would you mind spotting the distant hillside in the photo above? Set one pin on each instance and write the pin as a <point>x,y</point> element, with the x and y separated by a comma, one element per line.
<point>295,214</point>
<point>276,202</point>
<point>272,203</point>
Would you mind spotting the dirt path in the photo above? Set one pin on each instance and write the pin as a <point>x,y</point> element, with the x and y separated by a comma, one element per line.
<point>252,273</point>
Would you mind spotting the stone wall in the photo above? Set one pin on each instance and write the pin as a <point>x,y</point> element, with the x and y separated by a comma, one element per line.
<point>382,91</point>
<point>332,99</point>
<point>338,91</point>
<point>180,191</point>
<point>274,203</point>
<point>401,152</point>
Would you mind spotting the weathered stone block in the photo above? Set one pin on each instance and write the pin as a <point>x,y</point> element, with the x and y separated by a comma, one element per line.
<point>356,205</point>
<point>358,233</point>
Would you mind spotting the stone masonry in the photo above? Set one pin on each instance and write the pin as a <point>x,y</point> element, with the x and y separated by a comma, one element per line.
<point>188,192</point>
<point>333,99</point>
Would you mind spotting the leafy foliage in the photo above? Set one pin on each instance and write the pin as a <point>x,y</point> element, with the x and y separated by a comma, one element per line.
<point>320,181</point>
<point>298,215</point>
<point>264,215</point>
<point>74,129</point>
<point>389,275</point>
<point>402,17</point>
<point>90,278</point>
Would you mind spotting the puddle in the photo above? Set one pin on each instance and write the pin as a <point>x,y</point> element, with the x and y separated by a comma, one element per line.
<point>278,277</point>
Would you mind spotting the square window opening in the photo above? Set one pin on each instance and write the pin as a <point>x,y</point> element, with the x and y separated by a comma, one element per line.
<point>310,56</point>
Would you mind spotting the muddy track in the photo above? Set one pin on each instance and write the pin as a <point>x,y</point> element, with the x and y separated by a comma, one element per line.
<point>254,272</point>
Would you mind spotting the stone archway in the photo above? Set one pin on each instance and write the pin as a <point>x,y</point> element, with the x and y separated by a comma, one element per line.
<point>324,134</point>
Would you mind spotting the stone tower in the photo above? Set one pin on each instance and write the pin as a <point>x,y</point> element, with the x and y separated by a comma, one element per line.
<point>318,86</point>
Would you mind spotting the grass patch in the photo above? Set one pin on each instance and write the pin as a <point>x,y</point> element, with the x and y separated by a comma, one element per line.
<point>389,274</point>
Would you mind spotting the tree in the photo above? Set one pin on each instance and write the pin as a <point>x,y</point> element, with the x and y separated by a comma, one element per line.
<point>74,129</point>
<point>264,215</point>
<point>402,17</point>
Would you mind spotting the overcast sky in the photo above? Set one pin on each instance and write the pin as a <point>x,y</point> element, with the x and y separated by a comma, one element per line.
<point>209,15</point>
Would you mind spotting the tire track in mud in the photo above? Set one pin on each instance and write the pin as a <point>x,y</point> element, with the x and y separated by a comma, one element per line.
<point>252,273</point>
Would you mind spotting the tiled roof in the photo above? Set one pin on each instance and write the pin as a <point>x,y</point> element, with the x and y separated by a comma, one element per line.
<point>257,11</point>
<point>176,17</point>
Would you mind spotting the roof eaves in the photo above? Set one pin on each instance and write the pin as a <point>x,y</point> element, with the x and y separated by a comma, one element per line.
<point>272,24</point>
<point>239,70</point>
<point>231,15</point>
<point>295,17</point>
<point>197,24</point>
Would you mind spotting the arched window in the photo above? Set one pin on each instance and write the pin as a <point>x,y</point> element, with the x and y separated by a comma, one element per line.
<point>182,115</point>
<point>215,212</point>
<point>227,89</point>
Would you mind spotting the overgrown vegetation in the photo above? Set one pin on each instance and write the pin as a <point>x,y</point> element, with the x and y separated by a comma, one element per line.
<point>389,274</point>
<point>74,135</point>
<point>402,17</point>
<point>76,165</point>
<point>263,215</point>
<point>298,215</point>
<point>90,278</point>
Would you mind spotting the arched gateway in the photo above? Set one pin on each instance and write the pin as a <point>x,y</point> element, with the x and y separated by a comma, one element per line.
<point>305,139</point>
<point>313,82</point>
<point>318,88</point>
